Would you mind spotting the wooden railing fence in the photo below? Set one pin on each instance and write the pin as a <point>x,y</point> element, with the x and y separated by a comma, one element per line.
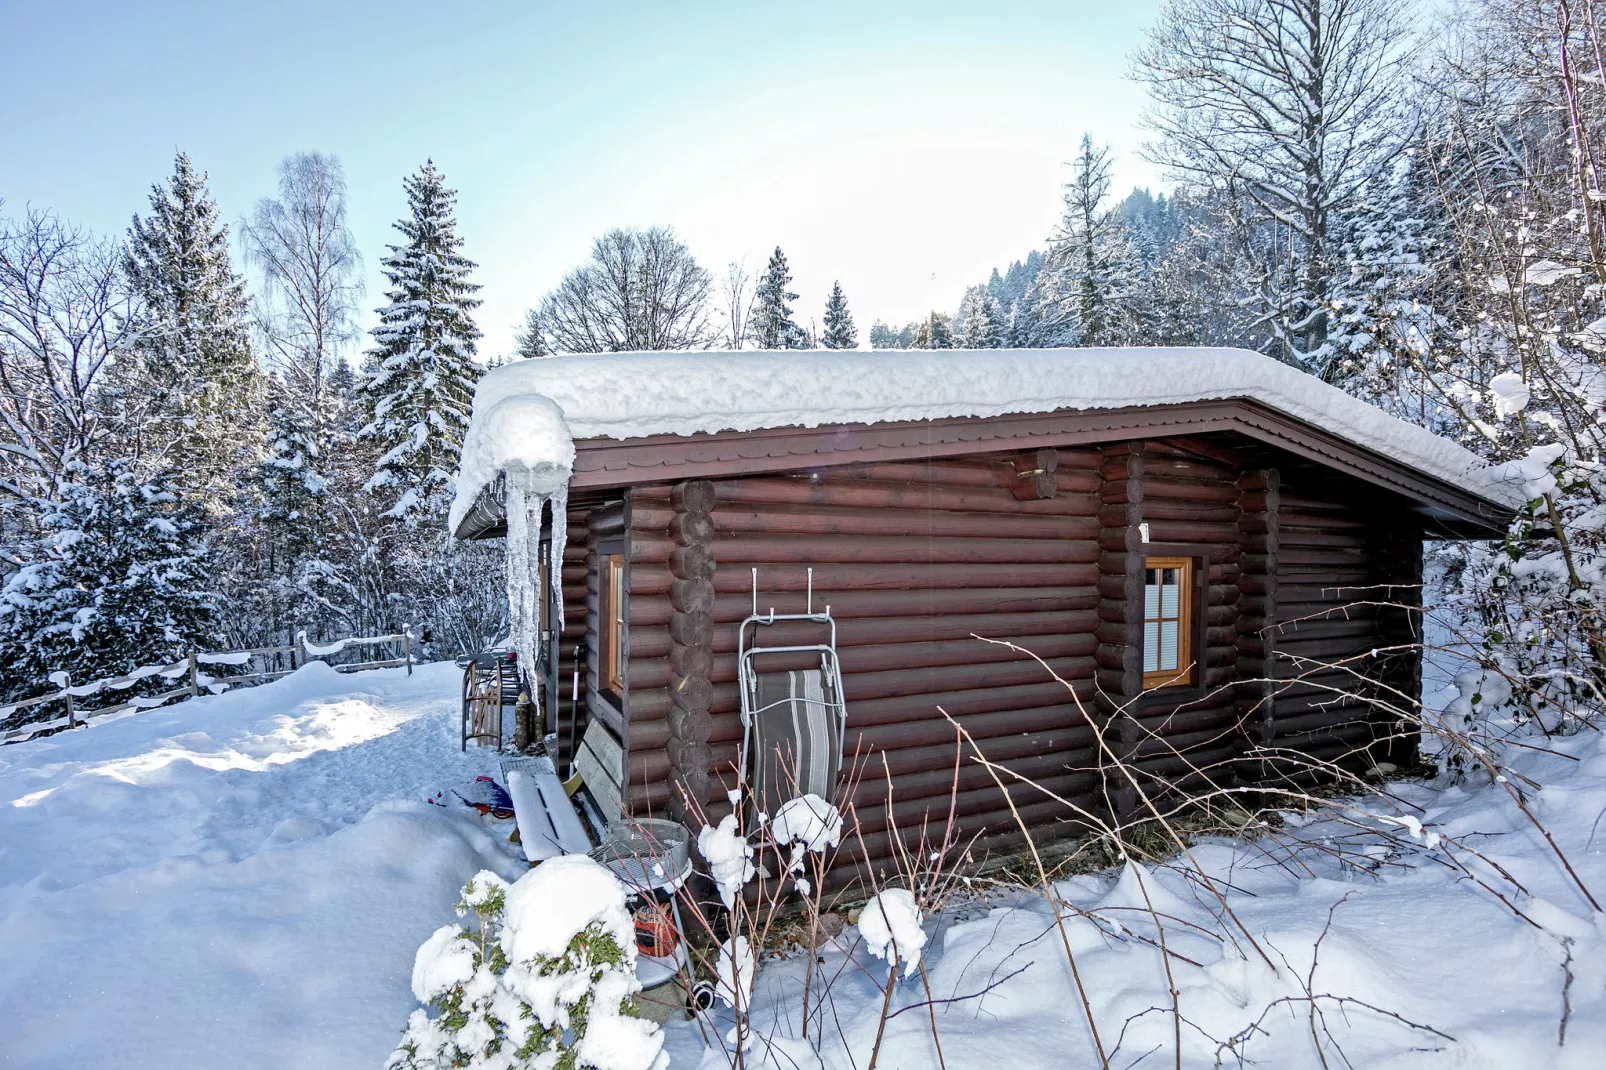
<point>270,663</point>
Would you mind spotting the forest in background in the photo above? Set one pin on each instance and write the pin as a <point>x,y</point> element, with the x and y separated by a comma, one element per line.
<point>1406,206</point>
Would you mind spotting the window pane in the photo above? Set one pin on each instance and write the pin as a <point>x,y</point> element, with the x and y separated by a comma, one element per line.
<point>1168,646</point>
<point>1170,596</point>
<point>1151,647</point>
<point>1151,599</point>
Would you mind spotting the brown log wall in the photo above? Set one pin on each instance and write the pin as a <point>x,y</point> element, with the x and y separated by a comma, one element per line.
<point>1344,566</point>
<point>1191,500</point>
<point>915,559</point>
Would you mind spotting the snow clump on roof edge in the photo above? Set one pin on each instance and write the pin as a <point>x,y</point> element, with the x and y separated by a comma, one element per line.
<point>633,395</point>
<point>520,434</point>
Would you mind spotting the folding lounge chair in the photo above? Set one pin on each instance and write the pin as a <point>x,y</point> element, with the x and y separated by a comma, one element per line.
<point>548,825</point>
<point>793,719</point>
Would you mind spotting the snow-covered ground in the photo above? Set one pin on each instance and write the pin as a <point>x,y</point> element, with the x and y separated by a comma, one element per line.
<point>234,881</point>
<point>1413,939</point>
<point>242,881</point>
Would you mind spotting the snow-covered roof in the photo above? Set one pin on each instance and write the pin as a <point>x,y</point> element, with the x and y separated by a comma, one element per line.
<point>528,413</point>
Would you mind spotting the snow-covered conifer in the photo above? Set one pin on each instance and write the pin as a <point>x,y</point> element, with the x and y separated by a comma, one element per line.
<point>936,331</point>
<point>117,578</point>
<point>771,325</point>
<point>421,372</point>
<point>982,324</point>
<point>530,341</point>
<point>1084,288</point>
<point>194,375</point>
<point>839,330</point>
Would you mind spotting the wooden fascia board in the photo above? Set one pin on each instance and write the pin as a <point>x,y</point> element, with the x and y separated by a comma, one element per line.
<point>611,463</point>
<point>602,464</point>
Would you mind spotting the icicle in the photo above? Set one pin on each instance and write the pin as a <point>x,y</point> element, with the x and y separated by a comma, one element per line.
<point>523,598</point>
<point>560,542</point>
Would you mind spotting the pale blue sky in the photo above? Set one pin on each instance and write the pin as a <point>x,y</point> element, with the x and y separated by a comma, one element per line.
<point>904,149</point>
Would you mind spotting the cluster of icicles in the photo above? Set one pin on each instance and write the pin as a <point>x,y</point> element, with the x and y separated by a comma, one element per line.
<point>527,509</point>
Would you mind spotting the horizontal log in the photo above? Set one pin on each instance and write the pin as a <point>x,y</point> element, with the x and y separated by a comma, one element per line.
<point>1162,486</point>
<point>830,578</point>
<point>1189,510</point>
<point>884,726</point>
<point>1066,741</point>
<point>1044,770</point>
<point>729,608</point>
<point>952,472</point>
<point>1328,627</point>
<point>856,660</point>
<point>875,631</point>
<point>1340,718</point>
<point>910,523</point>
<point>1295,599</point>
<point>748,549</point>
<point>1217,763</point>
<point>1223,734</point>
<point>1294,649</point>
<point>1197,532</point>
<point>928,657</point>
<point>890,495</point>
<point>861,687</point>
<point>875,842</point>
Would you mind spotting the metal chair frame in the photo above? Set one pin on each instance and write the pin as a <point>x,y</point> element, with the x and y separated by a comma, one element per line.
<point>747,655</point>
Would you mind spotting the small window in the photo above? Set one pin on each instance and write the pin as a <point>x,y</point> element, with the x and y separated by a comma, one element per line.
<point>1167,621</point>
<point>613,622</point>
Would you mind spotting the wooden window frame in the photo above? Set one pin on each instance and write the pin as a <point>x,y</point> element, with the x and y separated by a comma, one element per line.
<point>1190,634</point>
<point>612,622</point>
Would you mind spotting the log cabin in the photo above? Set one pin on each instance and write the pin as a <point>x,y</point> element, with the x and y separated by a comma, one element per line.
<point>1213,560</point>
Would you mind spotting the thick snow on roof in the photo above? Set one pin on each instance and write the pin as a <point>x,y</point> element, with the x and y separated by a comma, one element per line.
<point>631,395</point>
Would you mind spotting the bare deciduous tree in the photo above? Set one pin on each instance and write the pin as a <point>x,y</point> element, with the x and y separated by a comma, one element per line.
<point>642,290</point>
<point>65,316</point>
<point>312,270</point>
<point>1289,107</point>
<point>736,303</point>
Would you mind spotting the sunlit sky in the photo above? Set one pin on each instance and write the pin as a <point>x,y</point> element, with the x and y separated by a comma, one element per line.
<point>905,149</point>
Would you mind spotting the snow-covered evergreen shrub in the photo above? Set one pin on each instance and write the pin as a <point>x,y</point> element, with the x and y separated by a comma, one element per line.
<point>547,982</point>
<point>117,578</point>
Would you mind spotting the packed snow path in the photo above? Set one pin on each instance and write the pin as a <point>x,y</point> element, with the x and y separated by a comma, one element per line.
<point>239,880</point>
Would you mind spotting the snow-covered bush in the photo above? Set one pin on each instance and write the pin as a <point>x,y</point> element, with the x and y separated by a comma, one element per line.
<point>547,982</point>
<point>809,825</point>
<point>1540,601</point>
<point>890,925</point>
<point>729,857</point>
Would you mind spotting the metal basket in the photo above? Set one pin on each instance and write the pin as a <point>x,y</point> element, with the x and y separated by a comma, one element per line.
<point>646,853</point>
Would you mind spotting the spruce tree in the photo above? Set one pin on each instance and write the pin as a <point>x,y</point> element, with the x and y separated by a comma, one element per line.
<point>421,373</point>
<point>1083,289</point>
<point>839,330</point>
<point>771,324</point>
<point>983,326</point>
<point>193,386</point>
<point>530,341</point>
<point>115,579</point>
<point>936,331</point>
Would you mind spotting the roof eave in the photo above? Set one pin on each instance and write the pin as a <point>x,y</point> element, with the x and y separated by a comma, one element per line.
<point>602,464</point>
